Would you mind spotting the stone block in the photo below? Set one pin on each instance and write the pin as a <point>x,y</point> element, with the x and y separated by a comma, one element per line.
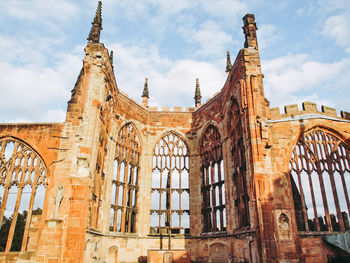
<point>309,107</point>
<point>291,109</point>
<point>329,111</point>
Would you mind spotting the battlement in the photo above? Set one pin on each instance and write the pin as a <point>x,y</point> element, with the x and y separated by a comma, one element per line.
<point>172,109</point>
<point>292,110</point>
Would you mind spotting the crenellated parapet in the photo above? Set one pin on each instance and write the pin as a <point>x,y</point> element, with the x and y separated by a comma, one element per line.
<point>292,111</point>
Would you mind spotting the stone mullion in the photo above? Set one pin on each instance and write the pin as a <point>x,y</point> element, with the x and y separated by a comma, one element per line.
<point>313,198</point>
<point>302,197</point>
<point>320,178</point>
<point>335,196</point>
<point>116,196</point>
<point>345,191</point>
<point>125,189</point>
<point>7,184</point>
<point>131,191</point>
<point>213,216</point>
<point>324,198</point>
<point>4,199</point>
<point>15,213</point>
<point>3,146</point>
<point>29,218</point>
<point>329,161</point>
<point>220,196</point>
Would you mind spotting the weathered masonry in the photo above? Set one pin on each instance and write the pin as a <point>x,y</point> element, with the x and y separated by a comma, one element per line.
<point>229,180</point>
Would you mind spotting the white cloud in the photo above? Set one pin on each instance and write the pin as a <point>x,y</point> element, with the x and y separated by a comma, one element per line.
<point>37,93</point>
<point>268,35</point>
<point>62,10</point>
<point>338,28</point>
<point>227,9</point>
<point>295,78</point>
<point>212,40</point>
<point>171,83</point>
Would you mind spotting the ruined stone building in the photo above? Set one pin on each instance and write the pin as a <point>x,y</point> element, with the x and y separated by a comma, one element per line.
<point>229,180</point>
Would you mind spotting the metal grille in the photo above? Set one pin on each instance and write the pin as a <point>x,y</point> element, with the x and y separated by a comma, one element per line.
<point>213,188</point>
<point>125,180</point>
<point>170,189</point>
<point>22,171</point>
<point>320,182</point>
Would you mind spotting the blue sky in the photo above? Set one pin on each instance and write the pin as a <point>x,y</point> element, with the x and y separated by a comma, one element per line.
<point>304,48</point>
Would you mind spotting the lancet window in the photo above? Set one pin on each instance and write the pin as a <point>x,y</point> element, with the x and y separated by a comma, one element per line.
<point>213,187</point>
<point>238,165</point>
<point>23,181</point>
<point>320,182</point>
<point>170,187</point>
<point>125,180</point>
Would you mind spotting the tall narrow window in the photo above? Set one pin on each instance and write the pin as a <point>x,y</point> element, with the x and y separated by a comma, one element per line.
<point>125,180</point>
<point>320,182</point>
<point>213,190</point>
<point>238,165</point>
<point>170,186</point>
<point>23,181</point>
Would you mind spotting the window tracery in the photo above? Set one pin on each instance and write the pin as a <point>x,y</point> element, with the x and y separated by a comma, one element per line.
<point>239,164</point>
<point>320,182</point>
<point>170,186</point>
<point>23,181</point>
<point>125,180</point>
<point>213,188</point>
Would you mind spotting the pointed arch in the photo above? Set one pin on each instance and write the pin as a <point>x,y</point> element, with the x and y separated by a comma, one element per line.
<point>170,185</point>
<point>23,174</point>
<point>125,179</point>
<point>213,188</point>
<point>320,181</point>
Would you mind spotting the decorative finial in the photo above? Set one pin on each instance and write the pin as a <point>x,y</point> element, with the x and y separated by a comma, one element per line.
<point>197,94</point>
<point>228,62</point>
<point>94,36</point>
<point>249,29</point>
<point>145,89</point>
<point>111,58</point>
<point>145,94</point>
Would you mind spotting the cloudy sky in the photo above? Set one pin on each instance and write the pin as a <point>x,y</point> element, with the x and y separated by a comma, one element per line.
<point>304,48</point>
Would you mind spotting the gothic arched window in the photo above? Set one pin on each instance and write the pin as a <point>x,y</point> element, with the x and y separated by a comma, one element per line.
<point>170,186</point>
<point>23,181</point>
<point>235,131</point>
<point>125,180</point>
<point>213,188</point>
<point>320,182</point>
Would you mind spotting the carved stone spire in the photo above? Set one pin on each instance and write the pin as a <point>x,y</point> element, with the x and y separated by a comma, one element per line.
<point>197,94</point>
<point>249,29</point>
<point>145,94</point>
<point>228,63</point>
<point>94,36</point>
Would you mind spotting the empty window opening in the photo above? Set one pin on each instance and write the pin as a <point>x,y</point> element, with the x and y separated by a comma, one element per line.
<point>212,181</point>
<point>23,181</point>
<point>170,186</point>
<point>125,180</point>
<point>319,174</point>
